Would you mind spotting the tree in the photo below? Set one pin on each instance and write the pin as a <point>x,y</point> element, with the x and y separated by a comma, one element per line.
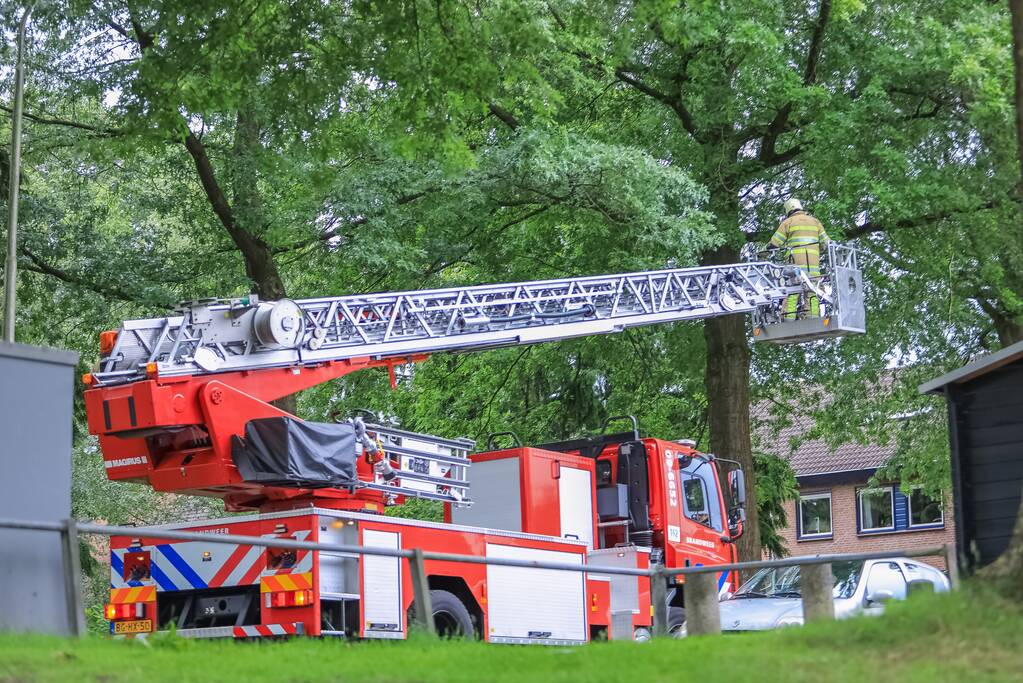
<point>199,151</point>
<point>1008,568</point>
<point>281,148</point>
<point>747,97</point>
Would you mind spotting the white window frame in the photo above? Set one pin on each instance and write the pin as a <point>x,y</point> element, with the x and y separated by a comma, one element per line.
<point>863,517</point>
<point>926,525</point>
<point>802,526</point>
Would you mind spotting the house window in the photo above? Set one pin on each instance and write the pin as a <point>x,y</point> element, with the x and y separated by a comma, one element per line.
<point>815,515</point>
<point>877,509</point>
<point>924,510</point>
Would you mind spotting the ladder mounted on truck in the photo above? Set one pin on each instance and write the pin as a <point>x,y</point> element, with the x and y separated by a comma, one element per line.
<point>425,466</point>
<point>173,395</point>
<point>214,336</point>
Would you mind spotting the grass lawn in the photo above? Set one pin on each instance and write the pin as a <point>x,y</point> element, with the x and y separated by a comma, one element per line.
<point>969,636</point>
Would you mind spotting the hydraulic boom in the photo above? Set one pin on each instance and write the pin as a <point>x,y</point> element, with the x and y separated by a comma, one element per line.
<point>246,334</point>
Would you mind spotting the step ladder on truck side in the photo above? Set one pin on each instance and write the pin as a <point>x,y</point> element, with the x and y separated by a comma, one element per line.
<point>183,403</point>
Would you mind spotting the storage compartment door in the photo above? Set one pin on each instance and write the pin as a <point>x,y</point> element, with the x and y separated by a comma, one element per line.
<point>575,495</point>
<point>525,604</point>
<point>496,494</point>
<point>381,587</point>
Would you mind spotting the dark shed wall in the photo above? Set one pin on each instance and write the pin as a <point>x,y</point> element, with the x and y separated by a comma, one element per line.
<point>988,441</point>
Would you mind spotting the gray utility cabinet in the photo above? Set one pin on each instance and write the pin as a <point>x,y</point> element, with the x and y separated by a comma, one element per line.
<point>36,397</point>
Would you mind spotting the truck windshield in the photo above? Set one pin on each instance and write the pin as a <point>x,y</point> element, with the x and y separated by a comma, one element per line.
<point>700,497</point>
<point>783,582</point>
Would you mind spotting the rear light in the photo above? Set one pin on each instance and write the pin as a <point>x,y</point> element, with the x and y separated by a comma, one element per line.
<point>124,610</point>
<point>300,598</point>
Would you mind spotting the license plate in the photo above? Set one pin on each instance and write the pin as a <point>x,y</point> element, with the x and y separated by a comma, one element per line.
<point>140,626</point>
<point>420,465</point>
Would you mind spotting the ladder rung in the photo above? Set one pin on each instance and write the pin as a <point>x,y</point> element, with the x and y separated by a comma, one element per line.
<point>427,479</point>
<point>412,453</point>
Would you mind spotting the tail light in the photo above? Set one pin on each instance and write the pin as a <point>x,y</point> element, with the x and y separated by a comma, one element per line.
<point>299,598</point>
<point>124,610</point>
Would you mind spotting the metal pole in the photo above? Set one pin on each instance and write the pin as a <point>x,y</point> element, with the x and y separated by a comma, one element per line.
<point>659,600</point>
<point>421,592</point>
<point>818,584</point>
<point>952,565</point>
<point>72,578</point>
<point>11,279</point>
<point>703,608</point>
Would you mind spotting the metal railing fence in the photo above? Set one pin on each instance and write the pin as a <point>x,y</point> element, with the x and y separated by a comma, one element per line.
<point>700,586</point>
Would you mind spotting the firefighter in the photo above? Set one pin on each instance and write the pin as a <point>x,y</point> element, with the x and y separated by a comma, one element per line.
<point>802,236</point>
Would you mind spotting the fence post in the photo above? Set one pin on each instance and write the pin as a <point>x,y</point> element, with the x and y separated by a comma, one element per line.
<point>421,592</point>
<point>72,578</point>
<point>659,600</point>
<point>817,583</point>
<point>703,606</point>
<point>952,565</point>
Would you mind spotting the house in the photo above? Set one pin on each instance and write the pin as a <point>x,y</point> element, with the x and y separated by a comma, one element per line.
<point>985,419</point>
<point>838,509</point>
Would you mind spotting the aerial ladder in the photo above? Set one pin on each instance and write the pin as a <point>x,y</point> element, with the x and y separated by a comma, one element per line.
<point>173,397</point>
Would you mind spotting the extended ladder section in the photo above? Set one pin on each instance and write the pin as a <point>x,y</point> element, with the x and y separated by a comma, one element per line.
<point>246,334</point>
<point>427,466</point>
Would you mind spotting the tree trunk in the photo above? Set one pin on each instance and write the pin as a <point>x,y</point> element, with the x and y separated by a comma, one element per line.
<point>1008,569</point>
<point>249,217</point>
<point>1009,332</point>
<point>1016,12</point>
<point>727,380</point>
<point>247,205</point>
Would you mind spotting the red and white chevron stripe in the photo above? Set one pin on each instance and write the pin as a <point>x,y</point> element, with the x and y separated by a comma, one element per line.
<point>264,630</point>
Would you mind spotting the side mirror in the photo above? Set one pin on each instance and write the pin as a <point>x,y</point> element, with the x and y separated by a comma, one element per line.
<point>736,523</point>
<point>684,461</point>
<point>737,483</point>
<point>879,597</point>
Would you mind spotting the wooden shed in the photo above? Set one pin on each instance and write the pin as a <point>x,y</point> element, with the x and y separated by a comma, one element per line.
<point>985,420</point>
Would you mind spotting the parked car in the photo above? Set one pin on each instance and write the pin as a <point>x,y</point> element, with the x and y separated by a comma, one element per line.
<point>772,598</point>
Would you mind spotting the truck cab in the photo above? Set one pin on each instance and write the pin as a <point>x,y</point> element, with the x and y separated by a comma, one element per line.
<point>614,491</point>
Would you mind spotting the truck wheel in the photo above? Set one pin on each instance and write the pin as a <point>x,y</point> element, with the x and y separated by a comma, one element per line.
<point>450,617</point>
<point>676,622</point>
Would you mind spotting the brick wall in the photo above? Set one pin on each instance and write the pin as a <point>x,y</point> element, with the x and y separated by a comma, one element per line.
<point>846,539</point>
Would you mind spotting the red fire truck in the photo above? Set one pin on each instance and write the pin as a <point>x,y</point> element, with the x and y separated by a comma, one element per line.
<point>183,403</point>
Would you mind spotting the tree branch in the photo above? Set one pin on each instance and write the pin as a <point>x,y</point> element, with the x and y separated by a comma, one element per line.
<point>109,132</point>
<point>813,55</point>
<point>506,116</point>
<point>871,227</point>
<point>333,232</point>
<point>675,103</point>
<point>38,265</point>
<point>768,153</point>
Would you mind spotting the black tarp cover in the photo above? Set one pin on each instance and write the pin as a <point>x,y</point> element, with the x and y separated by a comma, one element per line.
<point>285,451</point>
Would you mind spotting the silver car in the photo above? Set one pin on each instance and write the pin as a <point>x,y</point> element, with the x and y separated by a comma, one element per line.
<point>771,598</point>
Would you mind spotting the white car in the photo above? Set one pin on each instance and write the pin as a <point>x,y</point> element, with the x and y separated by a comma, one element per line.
<point>771,598</point>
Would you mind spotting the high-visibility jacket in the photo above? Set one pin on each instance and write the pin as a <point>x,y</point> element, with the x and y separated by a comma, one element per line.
<point>803,236</point>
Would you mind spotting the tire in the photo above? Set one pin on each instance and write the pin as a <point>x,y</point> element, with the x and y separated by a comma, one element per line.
<point>451,619</point>
<point>676,622</point>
